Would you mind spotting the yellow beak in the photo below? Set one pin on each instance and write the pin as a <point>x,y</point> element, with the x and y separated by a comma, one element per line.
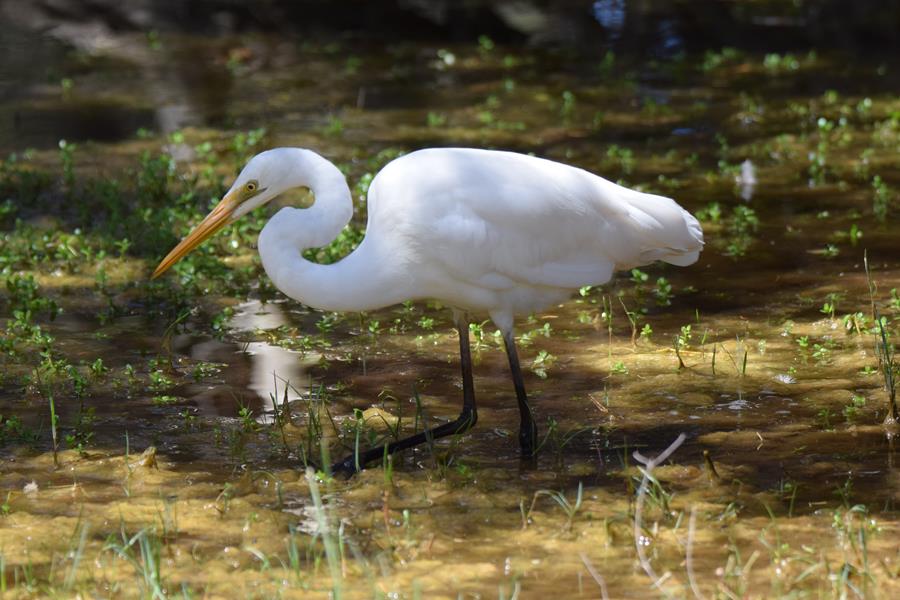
<point>214,221</point>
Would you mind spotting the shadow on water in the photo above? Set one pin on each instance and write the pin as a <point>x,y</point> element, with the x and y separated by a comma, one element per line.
<point>41,127</point>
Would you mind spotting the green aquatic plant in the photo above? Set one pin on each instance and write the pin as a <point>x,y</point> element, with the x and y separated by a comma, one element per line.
<point>855,234</point>
<point>863,163</point>
<point>334,127</point>
<point>67,158</point>
<point>821,352</point>
<point>66,85</point>
<point>712,212</point>
<point>24,296</point>
<point>677,348</point>
<point>435,119</point>
<point>607,63</point>
<point>527,337</point>
<point>569,508</point>
<point>313,440</point>
<point>884,350</point>
<point>426,323</point>
<point>830,305</point>
<point>542,363</point>
<point>713,60</point>
<point>76,553</point>
<point>567,108</point>
<point>248,421</point>
<point>352,65</point>
<point>82,433</point>
<point>681,341</point>
<point>742,227</point>
<point>478,334</point>
<point>856,322</point>
<point>633,320</point>
<point>47,379</point>
<point>852,410</point>
<point>160,380</point>
<point>327,322</point>
<point>824,417</point>
<point>781,63</point>
<point>886,357</point>
<point>143,551</point>
<point>883,197</point>
<point>345,242</point>
<point>663,292</point>
<point>651,107</point>
<point>485,44</point>
<point>623,158</point>
<point>743,220</point>
<point>13,430</point>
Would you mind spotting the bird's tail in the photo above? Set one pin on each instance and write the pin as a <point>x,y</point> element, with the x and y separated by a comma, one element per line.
<point>665,231</point>
<point>688,255</point>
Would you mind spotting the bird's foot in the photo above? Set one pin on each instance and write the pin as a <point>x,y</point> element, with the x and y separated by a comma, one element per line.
<point>346,467</point>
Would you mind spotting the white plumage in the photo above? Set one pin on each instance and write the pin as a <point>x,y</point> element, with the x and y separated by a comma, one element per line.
<point>482,231</point>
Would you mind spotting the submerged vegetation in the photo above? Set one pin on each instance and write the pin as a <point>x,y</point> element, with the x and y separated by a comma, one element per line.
<point>164,438</point>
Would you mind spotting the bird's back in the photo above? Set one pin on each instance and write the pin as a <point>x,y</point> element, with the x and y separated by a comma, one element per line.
<point>502,222</point>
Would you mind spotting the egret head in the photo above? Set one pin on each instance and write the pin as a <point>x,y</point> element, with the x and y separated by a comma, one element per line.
<point>261,180</point>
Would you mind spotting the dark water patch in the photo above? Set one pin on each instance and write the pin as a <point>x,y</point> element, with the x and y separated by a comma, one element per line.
<point>43,126</point>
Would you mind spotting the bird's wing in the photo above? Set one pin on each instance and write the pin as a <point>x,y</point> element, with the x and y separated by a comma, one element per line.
<point>499,219</point>
<point>503,249</point>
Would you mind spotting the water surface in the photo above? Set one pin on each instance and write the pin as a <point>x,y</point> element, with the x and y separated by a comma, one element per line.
<point>777,153</point>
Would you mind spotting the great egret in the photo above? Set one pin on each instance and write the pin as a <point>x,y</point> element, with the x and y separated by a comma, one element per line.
<point>482,231</point>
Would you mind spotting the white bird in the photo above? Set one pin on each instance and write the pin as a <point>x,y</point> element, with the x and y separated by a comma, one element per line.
<point>482,231</point>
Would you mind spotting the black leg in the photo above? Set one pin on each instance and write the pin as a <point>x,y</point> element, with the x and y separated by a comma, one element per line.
<point>466,420</point>
<point>527,427</point>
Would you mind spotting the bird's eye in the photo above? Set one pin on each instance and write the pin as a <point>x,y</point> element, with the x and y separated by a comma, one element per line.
<point>251,186</point>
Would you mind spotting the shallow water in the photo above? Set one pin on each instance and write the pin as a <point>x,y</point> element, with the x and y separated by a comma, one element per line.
<point>782,396</point>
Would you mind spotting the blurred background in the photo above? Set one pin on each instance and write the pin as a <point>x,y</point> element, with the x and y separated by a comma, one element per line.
<point>97,69</point>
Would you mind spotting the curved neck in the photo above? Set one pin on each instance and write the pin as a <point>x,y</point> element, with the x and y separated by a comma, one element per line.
<point>333,206</point>
<point>360,280</point>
